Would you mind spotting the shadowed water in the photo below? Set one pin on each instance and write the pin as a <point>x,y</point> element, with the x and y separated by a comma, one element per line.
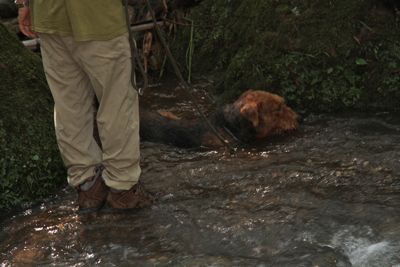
<point>327,196</point>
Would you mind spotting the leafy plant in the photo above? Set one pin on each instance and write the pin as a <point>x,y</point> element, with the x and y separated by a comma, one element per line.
<point>322,56</point>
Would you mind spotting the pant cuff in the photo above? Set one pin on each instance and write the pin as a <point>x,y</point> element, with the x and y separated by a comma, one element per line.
<point>118,185</point>
<point>82,177</point>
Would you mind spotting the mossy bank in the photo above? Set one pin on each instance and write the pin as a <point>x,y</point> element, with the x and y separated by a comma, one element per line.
<point>30,165</point>
<point>320,55</point>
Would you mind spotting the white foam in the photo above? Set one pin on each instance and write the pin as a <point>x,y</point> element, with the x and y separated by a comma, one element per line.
<point>370,253</point>
<point>362,251</point>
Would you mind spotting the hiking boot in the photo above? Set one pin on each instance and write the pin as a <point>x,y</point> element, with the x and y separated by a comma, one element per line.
<point>134,198</point>
<point>92,194</point>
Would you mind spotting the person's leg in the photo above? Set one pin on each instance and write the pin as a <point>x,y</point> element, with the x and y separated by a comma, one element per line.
<point>73,110</point>
<point>108,65</point>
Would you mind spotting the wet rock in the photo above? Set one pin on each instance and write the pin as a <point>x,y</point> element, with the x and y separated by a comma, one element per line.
<point>8,9</point>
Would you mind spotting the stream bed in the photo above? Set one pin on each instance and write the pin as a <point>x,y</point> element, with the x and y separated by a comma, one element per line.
<point>328,195</point>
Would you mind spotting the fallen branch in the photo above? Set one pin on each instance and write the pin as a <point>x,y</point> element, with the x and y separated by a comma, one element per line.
<point>33,44</point>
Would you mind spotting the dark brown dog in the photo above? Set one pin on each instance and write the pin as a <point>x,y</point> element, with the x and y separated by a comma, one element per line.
<point>254,116</point>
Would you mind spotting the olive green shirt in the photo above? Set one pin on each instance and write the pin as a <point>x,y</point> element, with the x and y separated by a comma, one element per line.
<point>84,20</point>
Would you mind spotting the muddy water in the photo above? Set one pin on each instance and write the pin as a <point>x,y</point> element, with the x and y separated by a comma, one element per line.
<point>326,196</point>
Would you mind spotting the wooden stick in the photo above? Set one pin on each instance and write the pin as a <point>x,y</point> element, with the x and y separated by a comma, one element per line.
<point>148,26</point>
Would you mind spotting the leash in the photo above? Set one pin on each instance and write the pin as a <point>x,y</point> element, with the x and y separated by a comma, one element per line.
<point>185,85</point>
<point>135,55</point>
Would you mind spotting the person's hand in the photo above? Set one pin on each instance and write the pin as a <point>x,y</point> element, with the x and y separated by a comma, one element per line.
<point>24,21</point>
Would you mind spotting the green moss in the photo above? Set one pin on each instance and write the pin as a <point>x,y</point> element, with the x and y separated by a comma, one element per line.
<point>304,50</point>
<point>30,165</point>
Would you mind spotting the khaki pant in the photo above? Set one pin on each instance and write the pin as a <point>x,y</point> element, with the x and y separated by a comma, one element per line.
<point>76,71</point>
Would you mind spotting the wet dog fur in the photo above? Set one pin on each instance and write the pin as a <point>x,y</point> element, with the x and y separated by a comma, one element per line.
<point>254,116</point>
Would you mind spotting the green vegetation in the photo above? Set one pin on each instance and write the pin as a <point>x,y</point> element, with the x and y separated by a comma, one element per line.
<point>320,55</point>
<point>30,165</point>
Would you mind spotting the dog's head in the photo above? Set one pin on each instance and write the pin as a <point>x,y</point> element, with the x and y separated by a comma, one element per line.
<point>266,113</point>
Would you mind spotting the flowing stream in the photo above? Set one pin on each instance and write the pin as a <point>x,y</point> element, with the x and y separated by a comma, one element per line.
<point>329,195</point>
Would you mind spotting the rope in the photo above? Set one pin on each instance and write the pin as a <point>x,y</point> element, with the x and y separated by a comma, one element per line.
<point>135,55</point>
<point>185,85</point>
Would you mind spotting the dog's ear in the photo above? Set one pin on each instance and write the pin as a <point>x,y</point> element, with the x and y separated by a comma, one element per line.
<point>250,111</point>
<point>267,113</point>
